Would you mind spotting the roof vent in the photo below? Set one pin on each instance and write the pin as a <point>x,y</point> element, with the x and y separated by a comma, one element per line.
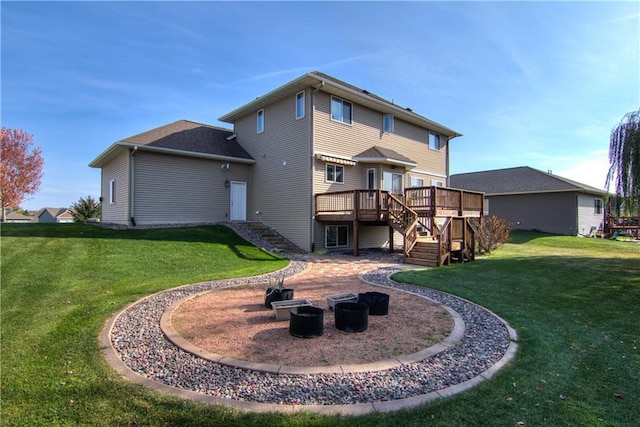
<point>409,109</point>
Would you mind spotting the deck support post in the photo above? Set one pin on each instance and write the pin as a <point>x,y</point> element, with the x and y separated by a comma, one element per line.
<point>356,243</point>
<point>391,233</point>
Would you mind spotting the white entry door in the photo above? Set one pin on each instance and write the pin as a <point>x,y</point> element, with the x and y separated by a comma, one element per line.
<point>238,198</point>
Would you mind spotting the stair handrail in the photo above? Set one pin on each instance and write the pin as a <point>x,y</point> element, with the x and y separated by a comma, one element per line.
<point>404,220</point>
<point>444,239</point>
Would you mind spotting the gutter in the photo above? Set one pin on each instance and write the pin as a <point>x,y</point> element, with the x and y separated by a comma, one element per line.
<point>98,160</point>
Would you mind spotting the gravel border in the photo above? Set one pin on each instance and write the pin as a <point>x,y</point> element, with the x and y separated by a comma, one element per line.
<point>138,342</point>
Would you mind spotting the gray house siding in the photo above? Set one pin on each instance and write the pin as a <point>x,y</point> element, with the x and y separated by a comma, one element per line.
<point>588,216</point>
<point>547,212</point>
<point>45,217</point>
<point>281,183</point>
<point>118,170</point>
<point>182,190</point>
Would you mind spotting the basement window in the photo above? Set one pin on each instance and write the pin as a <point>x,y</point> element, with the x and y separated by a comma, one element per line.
<point>336,236</point>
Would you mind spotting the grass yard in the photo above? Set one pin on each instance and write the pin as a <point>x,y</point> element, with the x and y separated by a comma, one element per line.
<point>574,302</point>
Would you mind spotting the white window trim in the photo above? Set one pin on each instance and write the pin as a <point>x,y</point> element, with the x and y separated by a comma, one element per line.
<point>439,142</point>
<point>300,114</point>
<point>416,178</point>
<point>112,192</point>
<point>326,173</point>
<point>436,183</point>
<point>598,206</point>
<point>260,121</point>
<point>376,184</point>
<point>342,101</point>
<point>326,228</point>
<point>391,123</point>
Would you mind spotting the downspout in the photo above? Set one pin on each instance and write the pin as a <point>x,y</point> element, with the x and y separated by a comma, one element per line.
<point>311,164</point>
<point>132,186</point>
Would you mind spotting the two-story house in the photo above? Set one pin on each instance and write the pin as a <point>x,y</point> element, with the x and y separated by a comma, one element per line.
<point>323,162</point>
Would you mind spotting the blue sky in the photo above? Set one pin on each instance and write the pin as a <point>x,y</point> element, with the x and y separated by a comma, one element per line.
<point>537,84</point>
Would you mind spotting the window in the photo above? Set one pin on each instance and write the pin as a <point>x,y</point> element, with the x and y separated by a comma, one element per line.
<point>392,182</point>
<point>336,236</point>
<point>387,122</point>
<point>341,110</point>
<point>371,179</point>
<point>436,183</point>
<point>335,173</point>
<point>112,191</point>
<point>598,206</point>
<point>434,141</point>
<point>260,121</point>
<point>417,182</point>
<point>300,105</point>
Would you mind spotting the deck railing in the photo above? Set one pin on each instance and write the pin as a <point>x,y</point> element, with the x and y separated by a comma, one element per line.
<point>374,204</point>
<point>443,201</point>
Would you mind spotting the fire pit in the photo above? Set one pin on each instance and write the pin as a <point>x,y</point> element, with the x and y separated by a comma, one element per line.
<point>352,316</point>
<point>377,301</point>
<point>306,322</point>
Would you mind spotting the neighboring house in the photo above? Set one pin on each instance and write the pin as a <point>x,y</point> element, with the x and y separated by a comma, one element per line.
<point>55,215</point>
<point>530,199</point>
<point>16,217</point>
<point>312,136</point>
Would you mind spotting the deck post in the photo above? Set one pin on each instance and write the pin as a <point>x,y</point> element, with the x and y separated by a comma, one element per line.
<point>356,243</point>
<point>391,232</point>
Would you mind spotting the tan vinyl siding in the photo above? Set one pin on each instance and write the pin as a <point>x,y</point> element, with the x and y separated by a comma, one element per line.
<point>281,186</point>
<point>587,216</point>
<point>118,169</point>
<point>366,131</point>
<point>182,190</point>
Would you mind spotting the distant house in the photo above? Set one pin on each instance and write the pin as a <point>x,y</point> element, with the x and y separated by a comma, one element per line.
<point>323,162</point>
<point>55,215</point>
<point>16,217</point>
<point>534,200</point>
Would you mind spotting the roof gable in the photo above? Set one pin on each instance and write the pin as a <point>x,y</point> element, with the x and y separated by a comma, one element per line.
<point>517,180</point>
<point>326,83</point>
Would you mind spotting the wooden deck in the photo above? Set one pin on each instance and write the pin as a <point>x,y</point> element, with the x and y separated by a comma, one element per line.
<point>427,240</point>
<point>374,205</point>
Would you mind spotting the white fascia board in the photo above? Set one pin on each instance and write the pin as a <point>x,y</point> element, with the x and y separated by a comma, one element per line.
<point>439,175</point>
<point>97,162</point>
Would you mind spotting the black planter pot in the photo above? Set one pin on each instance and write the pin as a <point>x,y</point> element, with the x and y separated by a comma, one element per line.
<point>306,322</point>
<point>275,294</point>
<point>352,316</point>
<point>377,301</point>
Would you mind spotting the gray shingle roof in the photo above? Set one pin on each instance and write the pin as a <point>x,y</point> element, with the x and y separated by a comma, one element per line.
<point>517,180</point>
<point>381,153</point>
<point>185,135</point>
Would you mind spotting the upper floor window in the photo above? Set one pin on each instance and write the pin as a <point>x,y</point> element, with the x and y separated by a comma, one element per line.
<point>387,122</point>
<point>300,105</point>
<point>260,121</point>
<point>334,173</point>
<point>434,141</point>
<point>341,110</point>
<point>112,191</point>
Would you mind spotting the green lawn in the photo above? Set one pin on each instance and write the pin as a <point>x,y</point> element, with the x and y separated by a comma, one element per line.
<point>574,302</point>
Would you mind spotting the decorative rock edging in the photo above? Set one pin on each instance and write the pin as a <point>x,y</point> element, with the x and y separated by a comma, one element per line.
<point>135,345</point>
